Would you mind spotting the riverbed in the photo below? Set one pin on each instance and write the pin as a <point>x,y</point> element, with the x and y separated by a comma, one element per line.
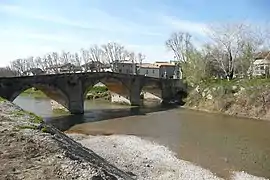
<point>217,142</point>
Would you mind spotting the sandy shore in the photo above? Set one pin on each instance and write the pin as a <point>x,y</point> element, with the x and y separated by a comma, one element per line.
<point>148,160</point>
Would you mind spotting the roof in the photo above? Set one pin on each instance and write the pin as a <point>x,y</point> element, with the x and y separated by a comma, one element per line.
<point>148,65</point>
<point>91,63</point>
<point>263,55</point>
<point>261,61</point>
<point>164,63</point>
<point>34,70</point>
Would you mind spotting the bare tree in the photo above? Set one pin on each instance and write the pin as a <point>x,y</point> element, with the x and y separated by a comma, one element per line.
<point>114,52</point>
<point>7,72</point>
<point>96,55</point>
<point>85,55</point>
<point>19,66</point>
<point>30,63</point>
<point>108,53</point>
<point>44,63</point>
<point>140,57</point>
<point>77,59</point>
<point>55,59</point>
<point>180,44</point>
<point>233,46</point>
<point>65,58</point>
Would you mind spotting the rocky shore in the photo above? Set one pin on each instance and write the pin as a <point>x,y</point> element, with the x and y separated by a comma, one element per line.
<point>148,160</point>
<point>30,149</point>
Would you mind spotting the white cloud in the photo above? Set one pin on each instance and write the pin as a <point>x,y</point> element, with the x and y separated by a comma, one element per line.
<point>29,40</point>
<point>196,28</point>
<point>96,20</point>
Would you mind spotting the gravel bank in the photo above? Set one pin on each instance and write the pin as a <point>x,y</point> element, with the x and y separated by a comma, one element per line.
<point>149,161</point>
<point>32,150</point>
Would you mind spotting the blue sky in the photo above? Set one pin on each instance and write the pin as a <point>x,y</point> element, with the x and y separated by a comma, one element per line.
<point>35,27</point>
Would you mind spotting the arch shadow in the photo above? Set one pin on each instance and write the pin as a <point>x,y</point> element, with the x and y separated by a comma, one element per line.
<point>154,88</point>
<point>64,123</point>
<point>53,92</point>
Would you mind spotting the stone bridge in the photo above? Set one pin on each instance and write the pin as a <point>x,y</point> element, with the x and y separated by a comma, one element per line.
<point>70,90</point>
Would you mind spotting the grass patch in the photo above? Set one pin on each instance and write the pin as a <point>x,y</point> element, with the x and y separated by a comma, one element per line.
<point>45,130</point>
<point>36,119</point>
<point>241,82</point>
<point>19,113</point>
<point>98,89</point>
<point>33,93</point>
<point>2,99</point>
<point>60,111</point>
<point>33,117</point>
<point>28,127</point>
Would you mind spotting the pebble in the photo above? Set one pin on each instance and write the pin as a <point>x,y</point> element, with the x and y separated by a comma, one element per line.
<point>148,160</point>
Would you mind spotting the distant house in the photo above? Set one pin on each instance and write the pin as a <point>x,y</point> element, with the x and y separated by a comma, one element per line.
<point>261,64</point>
<point>69,68</point>
<point>178,70</point>
<point>65,68</point>
<point>54,69</point>
<point>159,70</point>
<point>95,66</point>
<point>168,70</point>
<point>33,72</point>
<point>147,69</point>
<point>124,67</point>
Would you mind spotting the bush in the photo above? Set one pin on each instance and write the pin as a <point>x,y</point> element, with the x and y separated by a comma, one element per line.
<point>98,89</point>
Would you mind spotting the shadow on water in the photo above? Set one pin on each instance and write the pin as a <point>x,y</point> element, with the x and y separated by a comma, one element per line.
<point>65,122</point>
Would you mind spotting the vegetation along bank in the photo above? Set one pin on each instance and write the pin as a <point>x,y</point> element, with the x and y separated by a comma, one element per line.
<point>239,97</point>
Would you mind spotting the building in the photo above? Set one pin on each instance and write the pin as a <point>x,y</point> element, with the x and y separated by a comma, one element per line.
<point>96,66</point>
<point>159,70</point>
<point>70,68</point>
<point>33,72</point>
<point>261,64</point>
<point>178,71</point>
<point>65,68</point>
<point>124,67</point>
<point>147,69</point>
<point>168,70</point>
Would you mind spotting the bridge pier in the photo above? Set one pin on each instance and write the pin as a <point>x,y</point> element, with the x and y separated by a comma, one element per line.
<point>135,92</point>
<point>76,107</point>
<point>75,95</point>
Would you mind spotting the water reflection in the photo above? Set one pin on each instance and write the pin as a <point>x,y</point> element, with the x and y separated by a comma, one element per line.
<point>65,122</point>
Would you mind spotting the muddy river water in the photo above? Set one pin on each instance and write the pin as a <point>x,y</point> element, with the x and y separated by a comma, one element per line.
<point>216,142</point>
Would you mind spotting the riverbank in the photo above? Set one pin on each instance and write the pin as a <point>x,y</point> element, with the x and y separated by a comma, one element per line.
<point>148,160</point>
<point>30,149</point>
<point>99,92</point>
<point>242,98</point>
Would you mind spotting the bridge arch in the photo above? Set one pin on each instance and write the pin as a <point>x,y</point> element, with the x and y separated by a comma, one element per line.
<point>119,88</point>
<point>152,90</point>
<point>51,91</point>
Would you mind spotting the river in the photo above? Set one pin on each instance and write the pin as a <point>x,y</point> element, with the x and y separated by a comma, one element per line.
<point>217,142</point>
